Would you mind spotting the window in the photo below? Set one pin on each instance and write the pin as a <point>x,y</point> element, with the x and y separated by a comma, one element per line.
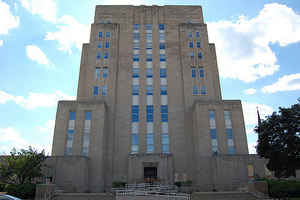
<point>149,45</point>
<point>201,72</point>
<point>163,73</point>
<point>95,91</point>
<point>165,143</point>
<point>136,26</point>
<point>108,34</point>
<point>136,45</point>
<point>135,57</point>
<point>190,34</point>
<point>164,113</point>
<point>227,117</point>
<point>193,72</point>
<point>107,44</point>
<point>88,115</point>
<point>105,72</point>
<point>109,21</point>
<point>149,90</point>
<point>161,27</point>
<point>203,90</point>
<point>98,73</point>
<point>135,113</point>
<point>191,55</point>
<point>199,55</point>
<point>213,133</point>
<point>162,46</point>
<point>99,55</point>
<point>149,111</point>
<point>195,90</point>
<point>163,90</point>
<point>104,90</point>
<point>162,57</point>
<point>191,45</point>
<point>72,115</point>
<point>229,133</point>
<point>212,120</point>
<point>135,89</point>
<point>149,73</point>
<point>135,72</point>
<point>136,36</point>
<point>148,26</point>
<point>162,36</point>
<point>100,35</point>
<point>134,143</point>
<point>197,34</point>
<point>149,57</point>
<point>150,142</point>
<point>105,55</point>
<point>99,45</point>
<point>198,45</point>
<point>231,150</point>
<point>149,36</point>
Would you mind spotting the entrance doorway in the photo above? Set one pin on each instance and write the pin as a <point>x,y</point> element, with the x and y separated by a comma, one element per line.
<point>150,174</point>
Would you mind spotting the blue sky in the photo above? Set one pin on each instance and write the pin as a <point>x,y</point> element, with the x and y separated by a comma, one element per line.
<point>257,45</point>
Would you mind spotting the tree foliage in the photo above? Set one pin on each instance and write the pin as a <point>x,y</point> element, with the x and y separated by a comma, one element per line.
<point>21,167</point>
<point>279,141</point>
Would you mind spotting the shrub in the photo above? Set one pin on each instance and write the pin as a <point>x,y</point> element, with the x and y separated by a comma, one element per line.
<point>283,188</point>
<point>26,190</point>
<point>118,184</point>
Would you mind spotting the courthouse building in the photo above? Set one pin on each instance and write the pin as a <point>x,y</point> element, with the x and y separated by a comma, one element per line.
<point>149,107</point>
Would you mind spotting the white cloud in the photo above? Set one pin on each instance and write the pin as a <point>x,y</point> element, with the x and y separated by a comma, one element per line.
<point>36,54</point>
<point>11,138</point>
<point>1,43</point>
<point>251,147</point>
<point>8,21</point>
<point>243,46</point>
<point>250,91</point>
<point>35,100</point>
<point>285,83</point>
<point>45,8</point>
<point>70,33</point>
<point>250,112</point>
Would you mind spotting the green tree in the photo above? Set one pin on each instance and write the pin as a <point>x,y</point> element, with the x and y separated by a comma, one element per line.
<point>279,141</point>
<point>21,167</point>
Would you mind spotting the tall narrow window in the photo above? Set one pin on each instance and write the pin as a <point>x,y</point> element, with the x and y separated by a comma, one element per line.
<point>165,143</point>
<point>148,45</point>
<point>198,45</point>
<point>107,44</point>
<point>149,73</point>
<point>149,90</point>
<point>149,57</point>
<point>135,113</point>
<point>105,72</point>
<point>98,73</point>
<point>95,91</point>
<point>134,143</point>
<point>199,55</point>
<point>161,27</point>
<point>135,58</point>
<point>136,36</point>
<point>162,46</point>
<point>104,90</point>
<point>135,72</point>
<point>136,45</point>
<point>164,113</point>
<point>191,45</point>
<point>201,72</point>
<point>163,90</point>
<point>70,134</point>
<point>228,131</point>
<point>149,111</point>
<point>162,37</point>
<point>86,133</point>
<point>193,72</point>
<point>108,34</point>
<point>99,55</point>
<point>163,73</point>
<point>135,89</point>
<point>99,45</point>
<point>195,90</point>
<point>197,34</point>
<point>100,35</point>
<point>105,55</point>
<point>213,131</point>
<point>150,142</point>
<point>136,26</point>
<point>190,34</point>
<point>203,90</point>
<point>162,57</point>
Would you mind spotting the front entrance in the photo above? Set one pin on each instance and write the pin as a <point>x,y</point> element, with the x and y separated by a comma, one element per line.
<point>150,174</point>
